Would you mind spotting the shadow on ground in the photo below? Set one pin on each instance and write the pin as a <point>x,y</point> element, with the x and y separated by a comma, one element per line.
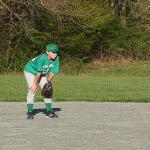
<point>43,110</point>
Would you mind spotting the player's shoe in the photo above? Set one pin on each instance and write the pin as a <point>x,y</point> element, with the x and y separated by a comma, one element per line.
<point>51,114</point>
<point>30,115</point>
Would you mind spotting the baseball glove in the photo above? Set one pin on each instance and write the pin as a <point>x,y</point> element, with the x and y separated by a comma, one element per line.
<point>47,90</point>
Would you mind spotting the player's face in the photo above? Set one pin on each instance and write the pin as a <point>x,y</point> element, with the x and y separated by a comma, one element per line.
<point>52,55</point>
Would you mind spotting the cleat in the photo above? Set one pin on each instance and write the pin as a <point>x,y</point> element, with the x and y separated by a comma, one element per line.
<point>30,115</point>
<point>51,114</point>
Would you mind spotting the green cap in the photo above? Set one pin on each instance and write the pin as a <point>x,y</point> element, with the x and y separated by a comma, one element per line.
<point>52,47</point>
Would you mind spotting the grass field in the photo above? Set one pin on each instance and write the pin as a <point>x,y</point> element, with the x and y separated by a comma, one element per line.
<point>116,84</point>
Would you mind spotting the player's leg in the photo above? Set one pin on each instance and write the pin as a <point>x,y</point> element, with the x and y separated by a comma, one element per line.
<point>30,96</point>
<point>48,101</point>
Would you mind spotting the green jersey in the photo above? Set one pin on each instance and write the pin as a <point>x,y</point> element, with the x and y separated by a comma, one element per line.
<point>42,64</point>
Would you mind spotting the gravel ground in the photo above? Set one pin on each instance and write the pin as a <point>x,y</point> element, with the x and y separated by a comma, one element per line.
<point>80,126</point>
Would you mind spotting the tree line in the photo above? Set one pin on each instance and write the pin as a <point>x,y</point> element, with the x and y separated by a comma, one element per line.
<point>83,29</point>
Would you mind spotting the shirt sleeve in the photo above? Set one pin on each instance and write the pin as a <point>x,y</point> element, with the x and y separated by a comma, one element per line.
<point>55,68</point>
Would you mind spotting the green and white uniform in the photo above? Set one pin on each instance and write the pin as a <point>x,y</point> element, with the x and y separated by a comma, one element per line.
<point>41,64</point>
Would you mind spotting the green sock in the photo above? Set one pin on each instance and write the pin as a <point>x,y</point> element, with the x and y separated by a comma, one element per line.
<point>48,106</point>
<point>30,107</point>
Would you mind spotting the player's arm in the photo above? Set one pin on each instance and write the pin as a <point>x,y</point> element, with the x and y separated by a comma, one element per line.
<point>40,63</point>
<point>51,76</point>
<point>47,90</point>
<point>54,70</point>
<point>36,81</point>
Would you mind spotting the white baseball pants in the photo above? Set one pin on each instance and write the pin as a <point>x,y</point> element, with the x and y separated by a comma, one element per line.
<point>30,79</point>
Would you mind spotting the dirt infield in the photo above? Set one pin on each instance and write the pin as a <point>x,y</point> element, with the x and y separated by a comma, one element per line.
<point>80,126</point>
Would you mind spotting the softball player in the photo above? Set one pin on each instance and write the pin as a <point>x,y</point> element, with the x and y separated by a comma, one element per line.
<point>35,72</point>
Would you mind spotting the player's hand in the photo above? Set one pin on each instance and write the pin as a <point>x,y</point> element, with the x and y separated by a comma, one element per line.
<point>34,87</point>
